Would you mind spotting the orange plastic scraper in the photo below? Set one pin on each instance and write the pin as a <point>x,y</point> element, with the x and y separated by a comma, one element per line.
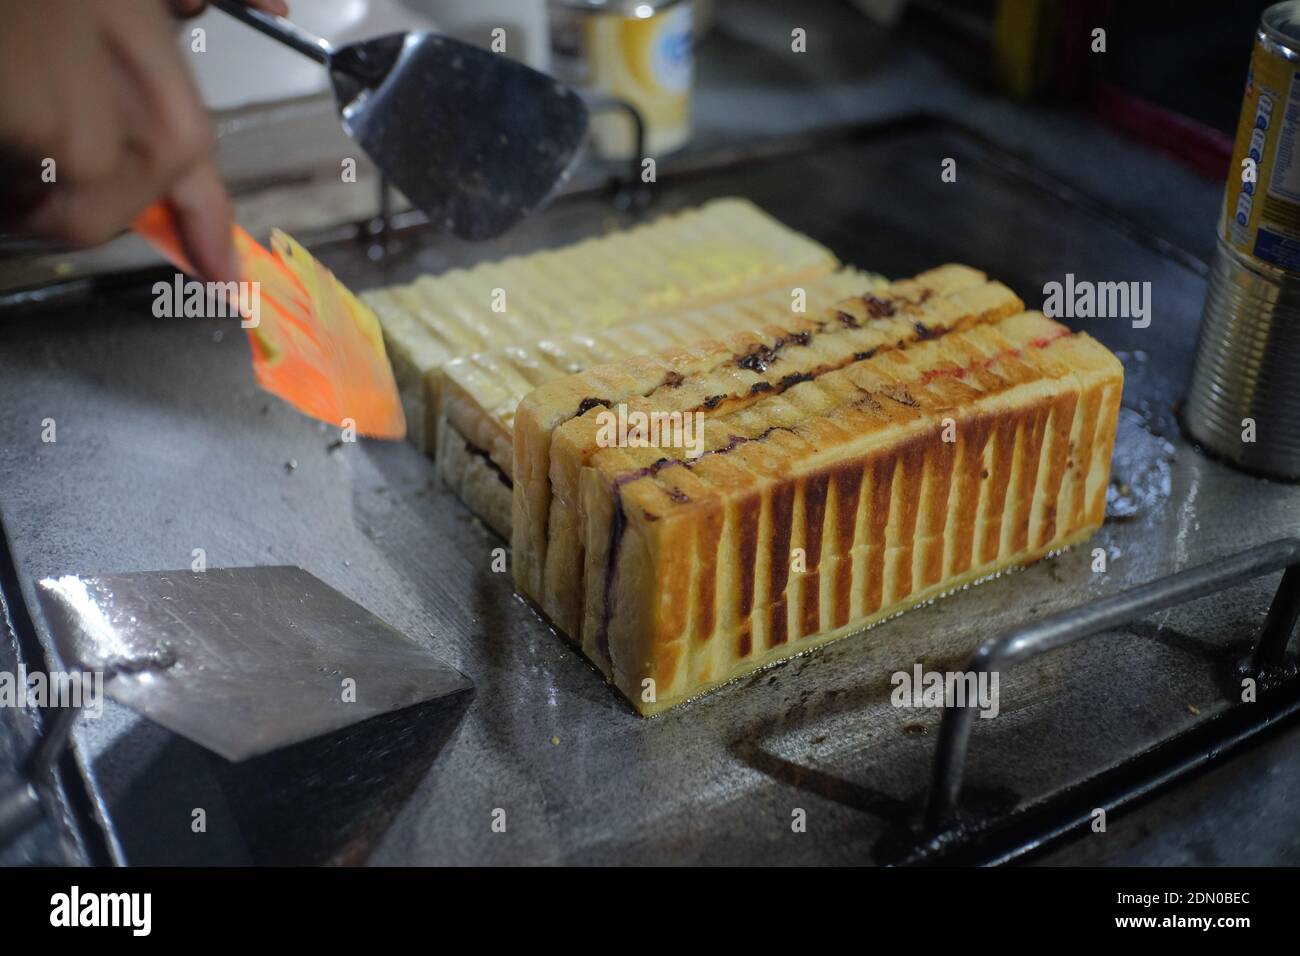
<point>314,343</point>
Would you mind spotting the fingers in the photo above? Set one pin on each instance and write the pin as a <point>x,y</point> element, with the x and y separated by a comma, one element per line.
<point>277,7</point>
<point>192,8</point>
<point>168,123</point>
<point>101,177</point>
<point>93,145</point>
<point>111,123</point>
<point>204,220</point>
<point>187,8</point>
<point>133,123</point>
<point>86,212</point>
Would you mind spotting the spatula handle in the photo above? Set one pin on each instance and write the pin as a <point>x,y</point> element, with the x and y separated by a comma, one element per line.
<point>278,28</point>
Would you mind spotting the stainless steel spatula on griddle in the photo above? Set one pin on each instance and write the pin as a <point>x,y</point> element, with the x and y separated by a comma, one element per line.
<point>240,660</point>
<point>243,661</point>
<point>474,139</point>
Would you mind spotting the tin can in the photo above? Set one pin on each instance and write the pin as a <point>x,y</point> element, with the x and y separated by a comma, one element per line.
<point>1243,400</point>
<point>638,51</point>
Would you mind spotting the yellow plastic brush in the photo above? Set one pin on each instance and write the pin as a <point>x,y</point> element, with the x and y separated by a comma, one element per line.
<point>315,344</point>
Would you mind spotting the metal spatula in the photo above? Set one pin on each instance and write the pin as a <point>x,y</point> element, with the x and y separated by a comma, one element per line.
<point>242,661</point>
<point>475,140</point>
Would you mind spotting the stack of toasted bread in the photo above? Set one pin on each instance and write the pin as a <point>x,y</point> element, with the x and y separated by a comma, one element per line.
<point>691,497</point>
<point>480,393</point>
<point>723,250</point>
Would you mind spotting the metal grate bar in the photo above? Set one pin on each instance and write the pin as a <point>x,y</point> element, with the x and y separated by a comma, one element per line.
<point>1266,662</point>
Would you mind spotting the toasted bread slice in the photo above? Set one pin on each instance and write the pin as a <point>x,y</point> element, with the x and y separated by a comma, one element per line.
<point>723,249</point>
<point>557,425</point>
<point>475,479</point>
<point>846,499</point>
<point>480,392</point>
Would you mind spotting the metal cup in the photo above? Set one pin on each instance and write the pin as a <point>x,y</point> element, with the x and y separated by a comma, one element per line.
<point>1243,402</point>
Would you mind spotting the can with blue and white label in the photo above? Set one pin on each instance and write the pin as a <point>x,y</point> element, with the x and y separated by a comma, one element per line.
<point>1243,400</point>
<point>637,51</point>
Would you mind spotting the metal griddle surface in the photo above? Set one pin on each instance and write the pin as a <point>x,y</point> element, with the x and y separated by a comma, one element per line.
<point>164,445</point>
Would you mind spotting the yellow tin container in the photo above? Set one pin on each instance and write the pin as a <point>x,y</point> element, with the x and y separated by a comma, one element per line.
<point>638,52</point>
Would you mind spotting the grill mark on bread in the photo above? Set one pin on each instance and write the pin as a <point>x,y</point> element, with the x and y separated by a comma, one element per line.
<point>908,477</point>
<point>616,529</point>
<point>900,395</point>
<point>914,306</point>
<point>748,513</point>
<point>1062,418</point>
<point>758,358</point>
<point>937,489</point>
<point>882,487</point>
<point>778,624</point>
<point>1006,434</point>
<point>733,442</point>
<point>1032,433</point>
<point>779,557</point>
<point>477,452</point>
<point>814,511</point>
<point>974,440</point>
<point>846,482</point>
<point>587,404</point>
<point>1087,432</point>
<point>708,539</point>
<point>877,307</point>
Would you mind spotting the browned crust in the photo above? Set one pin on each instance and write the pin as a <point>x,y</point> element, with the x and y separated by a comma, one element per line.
<point>556,425</point>
<point>879,527</point>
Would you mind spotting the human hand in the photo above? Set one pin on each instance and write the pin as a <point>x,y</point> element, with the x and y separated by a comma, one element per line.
<point>99,118</point>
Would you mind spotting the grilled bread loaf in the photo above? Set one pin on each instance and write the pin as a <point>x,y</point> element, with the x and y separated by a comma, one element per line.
<point>557,426</point>
<point>844,502</point>
<point>480,392</point>
<point>723,249</point>
<point>837,486</point>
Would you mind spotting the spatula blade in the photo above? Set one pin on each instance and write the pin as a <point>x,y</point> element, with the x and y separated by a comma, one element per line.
<point>474,139</point>
<point>242,661</point>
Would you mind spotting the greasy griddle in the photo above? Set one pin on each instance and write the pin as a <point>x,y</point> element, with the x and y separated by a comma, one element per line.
<point>164,445</point>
